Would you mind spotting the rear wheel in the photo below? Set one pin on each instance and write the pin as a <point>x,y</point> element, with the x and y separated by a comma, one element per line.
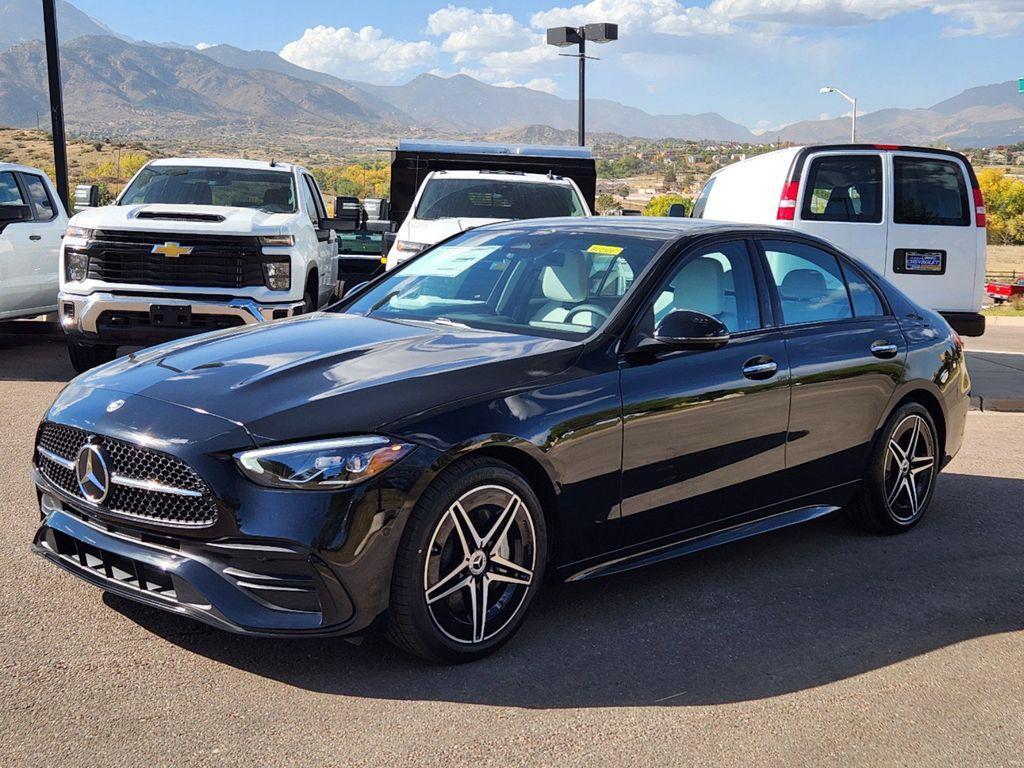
<point>470,562</point>
<point>901,475</point>
<point>84,357</point>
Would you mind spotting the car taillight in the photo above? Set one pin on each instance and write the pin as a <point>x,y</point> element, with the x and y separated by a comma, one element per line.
<point>787,203</point>
<point>979,208</point>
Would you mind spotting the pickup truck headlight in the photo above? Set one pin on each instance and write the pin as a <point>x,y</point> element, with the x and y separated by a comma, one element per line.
<point>408,246</point>
<point>77,237</point>
<point>76,266</point>
<point>277,240</point>
<point>278,275</point>
<point>322,465</point>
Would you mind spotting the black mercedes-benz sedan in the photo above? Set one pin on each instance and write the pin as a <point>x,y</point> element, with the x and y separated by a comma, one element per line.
<point>561,398</point>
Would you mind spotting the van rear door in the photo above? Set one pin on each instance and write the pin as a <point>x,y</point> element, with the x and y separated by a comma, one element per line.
<point>935,251</point>
<point>844,202</point>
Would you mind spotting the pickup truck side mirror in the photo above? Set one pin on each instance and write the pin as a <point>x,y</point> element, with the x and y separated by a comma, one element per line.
<point>684,329</point>
<point>677,210</point>
<point>11,214</point>
<point>86,196</point>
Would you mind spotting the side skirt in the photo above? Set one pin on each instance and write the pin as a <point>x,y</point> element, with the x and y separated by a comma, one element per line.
<point>706,541</point>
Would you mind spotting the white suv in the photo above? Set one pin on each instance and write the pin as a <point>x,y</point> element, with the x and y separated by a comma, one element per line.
<point>914,214</point>
<point>194,245</point>
<point>32,222</point>
<point>449,202</point>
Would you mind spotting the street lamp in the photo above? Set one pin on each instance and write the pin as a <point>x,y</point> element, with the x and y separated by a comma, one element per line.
<point>853,131</point>
<point>566,36</point>
<point>60,147</point>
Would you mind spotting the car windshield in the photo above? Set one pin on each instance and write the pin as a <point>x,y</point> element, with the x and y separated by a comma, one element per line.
<point>272,191</point>
<point>488,197</point>
<point>556,283</point>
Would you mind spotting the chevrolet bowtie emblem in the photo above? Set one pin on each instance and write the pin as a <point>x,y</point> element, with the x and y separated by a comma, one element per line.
<point>172,250</point>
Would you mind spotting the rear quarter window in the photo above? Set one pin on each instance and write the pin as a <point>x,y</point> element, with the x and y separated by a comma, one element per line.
<point>930,191</point>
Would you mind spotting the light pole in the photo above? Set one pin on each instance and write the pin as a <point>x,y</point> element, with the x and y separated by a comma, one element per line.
<point>853,131</point>
<point>566,36</point>
<point>60,147</point>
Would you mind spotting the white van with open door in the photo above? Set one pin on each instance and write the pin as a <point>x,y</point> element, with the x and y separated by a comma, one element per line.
<point>913,214</point>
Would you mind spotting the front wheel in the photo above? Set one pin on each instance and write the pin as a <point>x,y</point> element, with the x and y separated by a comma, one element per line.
<point>85,357</point>
<point>901,475</point>
<point>470,563</point>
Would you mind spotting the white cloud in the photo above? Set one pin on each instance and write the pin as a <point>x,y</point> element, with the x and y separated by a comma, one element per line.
<point>631,15</point>
<point>204,46</point>
<point>545,84</point>
<point>365,53</point>
<point>468,32</point>
<point>990,18</point>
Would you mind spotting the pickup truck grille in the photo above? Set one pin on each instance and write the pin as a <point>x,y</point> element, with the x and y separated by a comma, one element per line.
<point>216,261</point>
<point>152,486</point>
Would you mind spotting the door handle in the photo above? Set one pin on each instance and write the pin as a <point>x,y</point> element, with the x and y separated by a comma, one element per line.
<point>760,368</point>
<point>35,237</point>
<point>884,349</point>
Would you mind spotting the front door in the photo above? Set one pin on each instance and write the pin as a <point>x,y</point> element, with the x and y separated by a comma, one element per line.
<point>704,431</point>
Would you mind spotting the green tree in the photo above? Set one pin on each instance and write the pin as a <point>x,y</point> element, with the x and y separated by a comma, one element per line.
<point>1004,203</point>
<point>659,204</point>
<point>606,202</point>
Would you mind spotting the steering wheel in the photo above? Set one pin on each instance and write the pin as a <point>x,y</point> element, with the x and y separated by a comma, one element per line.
<point>597,309</point>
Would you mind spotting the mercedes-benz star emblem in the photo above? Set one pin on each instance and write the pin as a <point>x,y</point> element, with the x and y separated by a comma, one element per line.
<point>92,473</point>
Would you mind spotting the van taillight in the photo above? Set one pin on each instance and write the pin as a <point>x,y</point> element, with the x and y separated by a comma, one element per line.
<point>979,208</point>
<point>787,203</point>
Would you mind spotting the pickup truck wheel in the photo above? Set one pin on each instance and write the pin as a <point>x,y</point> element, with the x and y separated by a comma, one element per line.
<point>83,357</point>
<point>308,303</point>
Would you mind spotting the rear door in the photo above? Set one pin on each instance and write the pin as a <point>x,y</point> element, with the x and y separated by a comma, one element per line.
<point>18,253</point>
<point>844,202</point>
<point>933,252</point>
<point>846,355</point>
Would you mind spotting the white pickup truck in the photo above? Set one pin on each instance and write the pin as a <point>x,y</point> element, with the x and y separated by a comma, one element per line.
<point>32,222</point>
<point>194,245</point>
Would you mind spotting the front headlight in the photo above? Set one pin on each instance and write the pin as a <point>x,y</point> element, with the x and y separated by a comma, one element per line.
<point>76,266</point>
<point>277,240</point>
<point>322,465</point>
<point>408,246</point>
<point>278,275</point>
<point>77,237</point>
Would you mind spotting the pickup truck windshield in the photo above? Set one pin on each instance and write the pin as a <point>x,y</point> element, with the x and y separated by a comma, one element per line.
<point>559,284</point>
<point>492,198</point>
<point>272,191</point>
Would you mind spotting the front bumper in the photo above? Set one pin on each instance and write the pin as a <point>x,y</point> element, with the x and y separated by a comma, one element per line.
<point>111,317</point>
<point>291,593</point>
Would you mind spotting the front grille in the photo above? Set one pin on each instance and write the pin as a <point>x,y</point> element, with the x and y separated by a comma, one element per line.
<point>192,505</point>
<point>216,261</point>
<point>124,320</point>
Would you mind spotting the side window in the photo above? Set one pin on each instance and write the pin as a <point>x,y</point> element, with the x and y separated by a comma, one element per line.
<point>719,282</point>
<point>309,201</point>
<point>844,188</point>
<point>40,197</point>
<point>702,201</point>
<point>10,194</point>
<point>810,283</point>
<point>866,302</point>
<point>930,191</point>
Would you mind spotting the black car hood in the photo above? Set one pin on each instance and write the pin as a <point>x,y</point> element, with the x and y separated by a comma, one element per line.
<point>327,374</point>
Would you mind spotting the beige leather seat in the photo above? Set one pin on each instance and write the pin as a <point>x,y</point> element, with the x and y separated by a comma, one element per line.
<point>699,287</point>
<point>565,286</point>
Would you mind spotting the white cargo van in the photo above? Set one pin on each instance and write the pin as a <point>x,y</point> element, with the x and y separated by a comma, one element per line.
<point>913,214</point>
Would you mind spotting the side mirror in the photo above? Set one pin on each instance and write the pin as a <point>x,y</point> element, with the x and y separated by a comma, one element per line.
<point>678,210</point>
<point>684,329</point>
<point>87,196</point>
<point>12,214</point>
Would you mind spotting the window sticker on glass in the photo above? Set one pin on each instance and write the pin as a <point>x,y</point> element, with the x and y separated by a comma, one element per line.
<point>449,261</point>
<point>605,250</point>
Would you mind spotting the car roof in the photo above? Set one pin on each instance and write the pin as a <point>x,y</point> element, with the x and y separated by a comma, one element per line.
<point>661,227</point>
<point>501,176</point>
<point>223,162</point>
<point>16,167</point>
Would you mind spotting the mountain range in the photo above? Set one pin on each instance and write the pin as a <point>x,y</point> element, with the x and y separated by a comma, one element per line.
<point>117,86</point>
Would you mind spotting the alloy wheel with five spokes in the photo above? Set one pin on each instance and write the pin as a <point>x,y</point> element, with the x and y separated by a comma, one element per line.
<point>909,468</point>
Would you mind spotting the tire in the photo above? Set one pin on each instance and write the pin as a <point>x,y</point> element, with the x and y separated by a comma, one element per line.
<point>85,357</point>
<point>441,573</point>
<point>900,480</point>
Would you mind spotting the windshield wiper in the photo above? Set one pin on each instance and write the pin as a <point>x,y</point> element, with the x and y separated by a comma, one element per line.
<point>382,302</point>
<point>449,322</point>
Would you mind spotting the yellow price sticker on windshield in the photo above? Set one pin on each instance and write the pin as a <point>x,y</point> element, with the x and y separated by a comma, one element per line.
<point>605,250</point>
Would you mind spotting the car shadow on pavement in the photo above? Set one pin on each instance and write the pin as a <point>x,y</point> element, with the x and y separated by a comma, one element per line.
<point>34,355</point>
<point>787,611</point>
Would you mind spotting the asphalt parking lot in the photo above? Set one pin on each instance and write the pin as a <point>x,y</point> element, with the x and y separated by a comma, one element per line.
<point>817,645</point>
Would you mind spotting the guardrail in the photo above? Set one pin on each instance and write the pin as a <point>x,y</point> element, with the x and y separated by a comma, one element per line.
<point>1003,277</point>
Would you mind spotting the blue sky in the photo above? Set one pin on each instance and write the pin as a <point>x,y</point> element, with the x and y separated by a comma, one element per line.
<point>760,62</point>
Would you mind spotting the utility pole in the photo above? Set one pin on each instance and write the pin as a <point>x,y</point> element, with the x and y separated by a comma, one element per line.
<point>60,147</point>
